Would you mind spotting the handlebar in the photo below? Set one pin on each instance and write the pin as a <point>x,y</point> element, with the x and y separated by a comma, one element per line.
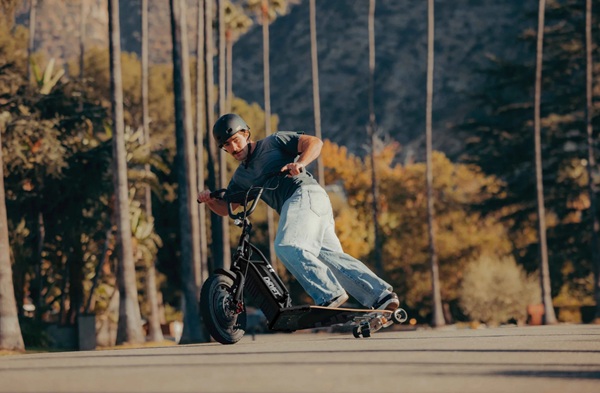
<point>220,194</point>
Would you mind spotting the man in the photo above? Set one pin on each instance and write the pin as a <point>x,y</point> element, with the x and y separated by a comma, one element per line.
<point>306,241</point>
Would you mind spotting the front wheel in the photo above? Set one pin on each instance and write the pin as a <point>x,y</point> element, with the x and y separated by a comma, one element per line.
<point>224,324</point>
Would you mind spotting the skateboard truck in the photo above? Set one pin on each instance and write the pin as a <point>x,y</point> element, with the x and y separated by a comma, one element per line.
<point>371,323</point>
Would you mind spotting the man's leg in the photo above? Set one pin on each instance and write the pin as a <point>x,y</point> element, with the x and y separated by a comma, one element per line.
<point>297,244</point>
<point>355,276</point>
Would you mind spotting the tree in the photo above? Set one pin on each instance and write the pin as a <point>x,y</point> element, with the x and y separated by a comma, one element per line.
<point>549,315</point>
<point>30,48</point>
<point>591,159</point>
<point>372,131</point>
<point>200,127</point>
<point>438,315</point>
<point>267,11</point>
<point>186,171</point>
<point>10,331</point>
<point>82,34</point>
<point>236,24</point>
<point>154,329</point>
<point>463,233</point>
<point>222,109</point>
<point>499,139</point>
<point>130,324</point>
<point>314,56</point>
<point>216,226</point>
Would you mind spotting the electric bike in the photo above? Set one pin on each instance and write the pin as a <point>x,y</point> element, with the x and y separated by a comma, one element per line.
<point>251,275</point>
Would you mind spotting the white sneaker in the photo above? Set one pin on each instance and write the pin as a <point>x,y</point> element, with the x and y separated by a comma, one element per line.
<point>337,302</point>
<point>389,302</point>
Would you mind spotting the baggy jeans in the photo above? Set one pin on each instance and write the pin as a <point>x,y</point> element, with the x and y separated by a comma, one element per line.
<point>307,245</point>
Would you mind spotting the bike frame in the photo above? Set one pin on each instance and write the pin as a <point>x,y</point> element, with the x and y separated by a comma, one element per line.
<point>251,272</point>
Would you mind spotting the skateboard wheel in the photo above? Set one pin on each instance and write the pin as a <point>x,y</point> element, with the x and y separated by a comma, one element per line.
<point>366,332</point>
<point>399,316</point>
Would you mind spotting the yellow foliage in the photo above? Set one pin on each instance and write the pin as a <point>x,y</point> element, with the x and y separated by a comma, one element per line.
<point>461,233</point>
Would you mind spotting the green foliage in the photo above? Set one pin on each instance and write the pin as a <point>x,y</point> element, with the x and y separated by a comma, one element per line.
<point>34,333</point>
<point>500,141</point>
<point>497,290</point>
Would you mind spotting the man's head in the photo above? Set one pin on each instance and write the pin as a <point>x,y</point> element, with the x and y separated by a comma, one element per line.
<point>227,126</point>
<point>233,135</point>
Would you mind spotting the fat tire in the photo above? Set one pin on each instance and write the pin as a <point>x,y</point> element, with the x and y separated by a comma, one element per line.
<point>223,326</point>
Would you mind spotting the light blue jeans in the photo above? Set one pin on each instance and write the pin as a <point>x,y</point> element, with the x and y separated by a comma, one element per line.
<point>307,245</point>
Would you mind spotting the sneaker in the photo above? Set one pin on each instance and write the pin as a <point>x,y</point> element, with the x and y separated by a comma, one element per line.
<point>338,301</point>
<point>389,302</point>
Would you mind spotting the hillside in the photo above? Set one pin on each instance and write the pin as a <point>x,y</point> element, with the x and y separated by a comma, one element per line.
<point>466,32</point>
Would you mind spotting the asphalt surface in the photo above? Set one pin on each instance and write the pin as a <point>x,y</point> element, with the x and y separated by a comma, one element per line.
<point>560,358</point>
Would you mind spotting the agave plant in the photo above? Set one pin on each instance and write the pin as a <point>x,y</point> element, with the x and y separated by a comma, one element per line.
<point>47,80</point>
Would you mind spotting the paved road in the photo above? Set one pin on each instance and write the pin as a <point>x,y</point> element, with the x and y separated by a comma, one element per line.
<point>562,358</point>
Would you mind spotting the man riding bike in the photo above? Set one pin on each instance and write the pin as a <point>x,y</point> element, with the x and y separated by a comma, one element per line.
<point>306,242</point>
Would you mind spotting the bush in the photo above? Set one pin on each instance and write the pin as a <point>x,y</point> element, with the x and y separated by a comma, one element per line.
<point>34,333</point>
<point>496,290</point>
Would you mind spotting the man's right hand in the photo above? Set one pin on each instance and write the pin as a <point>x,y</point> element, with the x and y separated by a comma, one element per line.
<point>204,196</point>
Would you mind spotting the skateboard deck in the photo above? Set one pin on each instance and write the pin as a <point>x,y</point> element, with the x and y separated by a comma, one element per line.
<point>307,316</point>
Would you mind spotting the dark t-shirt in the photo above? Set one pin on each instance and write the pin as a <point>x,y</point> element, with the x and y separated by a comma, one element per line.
<point>267,159</point>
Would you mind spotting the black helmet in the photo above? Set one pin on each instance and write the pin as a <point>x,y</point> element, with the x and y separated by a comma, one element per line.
<point>227,126</point>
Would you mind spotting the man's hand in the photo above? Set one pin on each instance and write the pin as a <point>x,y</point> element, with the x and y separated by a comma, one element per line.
<point>294,168</point>
<point>204,196</point>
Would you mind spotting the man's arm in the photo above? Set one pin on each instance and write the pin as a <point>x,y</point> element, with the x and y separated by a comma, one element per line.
<point>218,206</point>
<point>309,148</point>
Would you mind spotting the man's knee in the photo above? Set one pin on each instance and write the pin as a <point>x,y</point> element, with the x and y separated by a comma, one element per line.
<point>286,251</point>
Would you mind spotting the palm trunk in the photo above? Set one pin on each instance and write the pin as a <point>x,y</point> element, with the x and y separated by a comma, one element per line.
<point>315,83</point>
<point>82,33</point>
<point>549,315</point>
<point>186,172</point>
<point>438,313</point>
<point>229,69</point>
<point>10,331</point>
<point>267,98</point>
<point>154,329</point>
<point>591,162</point>
<point>373,141</point>
<point>222,154</point>
<point>200,107</point>
<point>130,324</point>
<point>30,48</point>
<point>213,154</point>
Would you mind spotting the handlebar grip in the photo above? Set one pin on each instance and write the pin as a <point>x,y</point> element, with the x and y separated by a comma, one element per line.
<point>218,194</point>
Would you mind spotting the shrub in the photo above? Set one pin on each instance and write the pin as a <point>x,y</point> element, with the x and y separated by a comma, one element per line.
<point>496,290</point>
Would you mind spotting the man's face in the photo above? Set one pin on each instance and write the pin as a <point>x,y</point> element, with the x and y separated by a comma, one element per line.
<point>238,145</point>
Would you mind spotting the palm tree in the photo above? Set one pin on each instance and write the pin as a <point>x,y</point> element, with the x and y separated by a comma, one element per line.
<point>10,331</point>
<point>550,317</point>
<point>200,107</point>
<point>591,161</point>
<point>372,131</point>
<point>154,330</point>
<point>218,245</point>
<point>130,324</point>
<point>82,33</point>
<point>268,10</point>
<point>186,171</point>
<point>236,24</point>
<point>30,48</point>
<point>222,100</point>
<point>438,315</point>
<point>315,82</point>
